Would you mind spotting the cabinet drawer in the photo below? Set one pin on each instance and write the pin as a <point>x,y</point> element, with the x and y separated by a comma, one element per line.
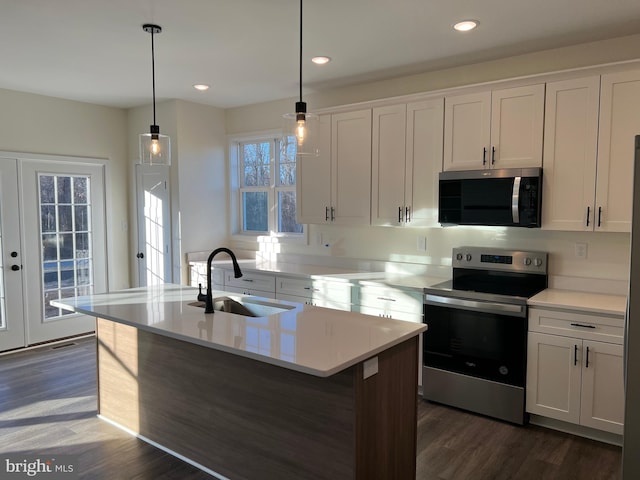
<point>249,291</point>
<point>391,299</point>
<point>302,287</point>
<point>254,281</point>
<point>408,317</point>
<point>578,325</point>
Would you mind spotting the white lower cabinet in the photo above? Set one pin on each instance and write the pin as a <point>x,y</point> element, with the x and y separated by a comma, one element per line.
<point>320,293</point>
<point>574,379</point>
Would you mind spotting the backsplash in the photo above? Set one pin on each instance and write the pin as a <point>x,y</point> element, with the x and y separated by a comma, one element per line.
<point>575,258</point>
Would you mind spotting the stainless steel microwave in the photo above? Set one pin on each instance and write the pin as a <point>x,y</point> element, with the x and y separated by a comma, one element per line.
<point>510,197</point>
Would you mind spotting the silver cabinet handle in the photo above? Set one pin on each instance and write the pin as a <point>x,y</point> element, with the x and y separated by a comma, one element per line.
<point>407,214</point>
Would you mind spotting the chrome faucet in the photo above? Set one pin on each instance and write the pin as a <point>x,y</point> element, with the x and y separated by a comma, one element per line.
<point>208,297</point>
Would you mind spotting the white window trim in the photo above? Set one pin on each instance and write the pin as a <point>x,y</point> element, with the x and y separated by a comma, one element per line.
<point>235,200</point>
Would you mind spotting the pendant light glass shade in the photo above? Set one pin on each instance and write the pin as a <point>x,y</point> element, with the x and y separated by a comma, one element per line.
<point>300,129</point>
<point>155,149</point>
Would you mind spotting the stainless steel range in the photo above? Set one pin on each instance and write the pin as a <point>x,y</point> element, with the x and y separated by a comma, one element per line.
<point>475,348</point>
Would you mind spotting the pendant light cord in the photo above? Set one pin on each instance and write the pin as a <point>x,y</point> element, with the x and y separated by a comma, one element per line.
<point>153,76</point>
<point>301,50</point>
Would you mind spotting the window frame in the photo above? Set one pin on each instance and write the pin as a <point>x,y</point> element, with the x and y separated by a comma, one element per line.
<point>273,190</point>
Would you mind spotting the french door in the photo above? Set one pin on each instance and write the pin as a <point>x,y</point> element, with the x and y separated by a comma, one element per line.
<point>12,331</point>
<point>53,246</point>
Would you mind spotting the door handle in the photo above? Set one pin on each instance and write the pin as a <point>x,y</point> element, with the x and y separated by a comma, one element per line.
<point>14,254</point>
<point>139,255</point>
<point>15,268</point>
<point>515,200</point>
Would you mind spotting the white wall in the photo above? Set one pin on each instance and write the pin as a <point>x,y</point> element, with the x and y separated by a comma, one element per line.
<point>44,125</point>
<point>203,178</point>
<point>198,176</point>
<point>608,254</point>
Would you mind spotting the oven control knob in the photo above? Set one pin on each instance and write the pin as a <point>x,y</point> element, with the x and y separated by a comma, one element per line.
<point>527,261</point>
<point>468,257</point>
<point>459,257</point>
<point>537,262</point>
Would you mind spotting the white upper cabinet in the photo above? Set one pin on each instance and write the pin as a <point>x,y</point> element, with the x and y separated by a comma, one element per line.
<point>619,124</point>
<point>335,186</point>
<point>388,154</point>
<point>351,168</point>
<point>495,129</point>
<point>425,126</point>
<point>406,161</point>
<point>570,153</point>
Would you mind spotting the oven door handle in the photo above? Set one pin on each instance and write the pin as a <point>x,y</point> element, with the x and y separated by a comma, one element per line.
<point>480,306</point>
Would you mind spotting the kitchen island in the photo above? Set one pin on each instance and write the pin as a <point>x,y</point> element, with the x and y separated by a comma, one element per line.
<point>294,392</point>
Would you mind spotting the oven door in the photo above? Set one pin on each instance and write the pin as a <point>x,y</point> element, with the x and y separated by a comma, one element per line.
<point>478,338</point>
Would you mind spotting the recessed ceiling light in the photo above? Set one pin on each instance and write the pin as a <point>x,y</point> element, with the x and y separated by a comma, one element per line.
<point>466,25</point>
<point>201,86</point>
<point>320,60</point>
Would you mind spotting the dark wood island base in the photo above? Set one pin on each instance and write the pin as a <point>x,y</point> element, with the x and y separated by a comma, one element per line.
<point>245,420</point>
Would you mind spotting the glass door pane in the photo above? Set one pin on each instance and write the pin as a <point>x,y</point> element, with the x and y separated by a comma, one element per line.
<point>65,230</point>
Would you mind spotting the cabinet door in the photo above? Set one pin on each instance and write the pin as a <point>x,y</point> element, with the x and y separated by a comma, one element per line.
<point>425,127</point>
<point>517,116</point>
<point>619,123</point>
<point>388,165</point>
<point>467,120</point>
<point>313,179</point>
<point>570,149</point>
<point>602,405</point>
<point>351,167</point>
<point>553,376</point>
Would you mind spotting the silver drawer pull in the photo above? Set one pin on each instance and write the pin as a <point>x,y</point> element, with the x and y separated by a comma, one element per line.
<point>582,326</point>
<point>247,280</point>
<point>387,299</point>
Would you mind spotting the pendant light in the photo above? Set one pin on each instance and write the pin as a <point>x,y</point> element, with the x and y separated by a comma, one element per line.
<point>300,128</point>
<point>155,149</point>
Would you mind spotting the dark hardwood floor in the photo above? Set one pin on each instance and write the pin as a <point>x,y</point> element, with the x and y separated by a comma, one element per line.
<point>48,408</point>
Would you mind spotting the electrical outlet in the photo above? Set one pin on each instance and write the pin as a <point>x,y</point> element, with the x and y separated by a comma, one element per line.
<point>319,238</point>
<point>580,250</point>
<point>421,244</point>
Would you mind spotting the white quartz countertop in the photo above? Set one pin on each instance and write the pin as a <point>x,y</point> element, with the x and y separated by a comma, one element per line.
<point>313,340</point>
<point>580,301</point>
<point>396,279</point>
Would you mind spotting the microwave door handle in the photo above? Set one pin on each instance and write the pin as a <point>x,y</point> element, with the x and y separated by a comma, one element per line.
<point>515,200</point>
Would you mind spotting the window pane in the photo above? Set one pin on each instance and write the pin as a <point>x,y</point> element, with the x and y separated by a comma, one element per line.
<point>255,211</point>
<point>81,218</point>
<point>65,221</point>
<point>80,190</point>
<point>256,160</point>
<point>288,149</point>
<point>64,189</point>
<point>66,245</point>
<point>48,217</point>
<point>287,173</point>
<point>47,192</point>
<point>49,247</point>
<point>287,213</point>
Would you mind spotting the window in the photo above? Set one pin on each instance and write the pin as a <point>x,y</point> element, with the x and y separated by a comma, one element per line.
<point>266,187</point>
<point>65,232</point>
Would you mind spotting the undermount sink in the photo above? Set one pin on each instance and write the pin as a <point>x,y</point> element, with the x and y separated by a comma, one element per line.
<point>245,307</point>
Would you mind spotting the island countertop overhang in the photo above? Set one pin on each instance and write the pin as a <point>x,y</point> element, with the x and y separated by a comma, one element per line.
<point>313,340</point>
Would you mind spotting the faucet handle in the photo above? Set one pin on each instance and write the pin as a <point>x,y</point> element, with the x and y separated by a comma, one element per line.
<point>202,297</point>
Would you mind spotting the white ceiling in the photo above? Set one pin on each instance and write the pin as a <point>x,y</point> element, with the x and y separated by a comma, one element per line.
<point>247,50</point>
